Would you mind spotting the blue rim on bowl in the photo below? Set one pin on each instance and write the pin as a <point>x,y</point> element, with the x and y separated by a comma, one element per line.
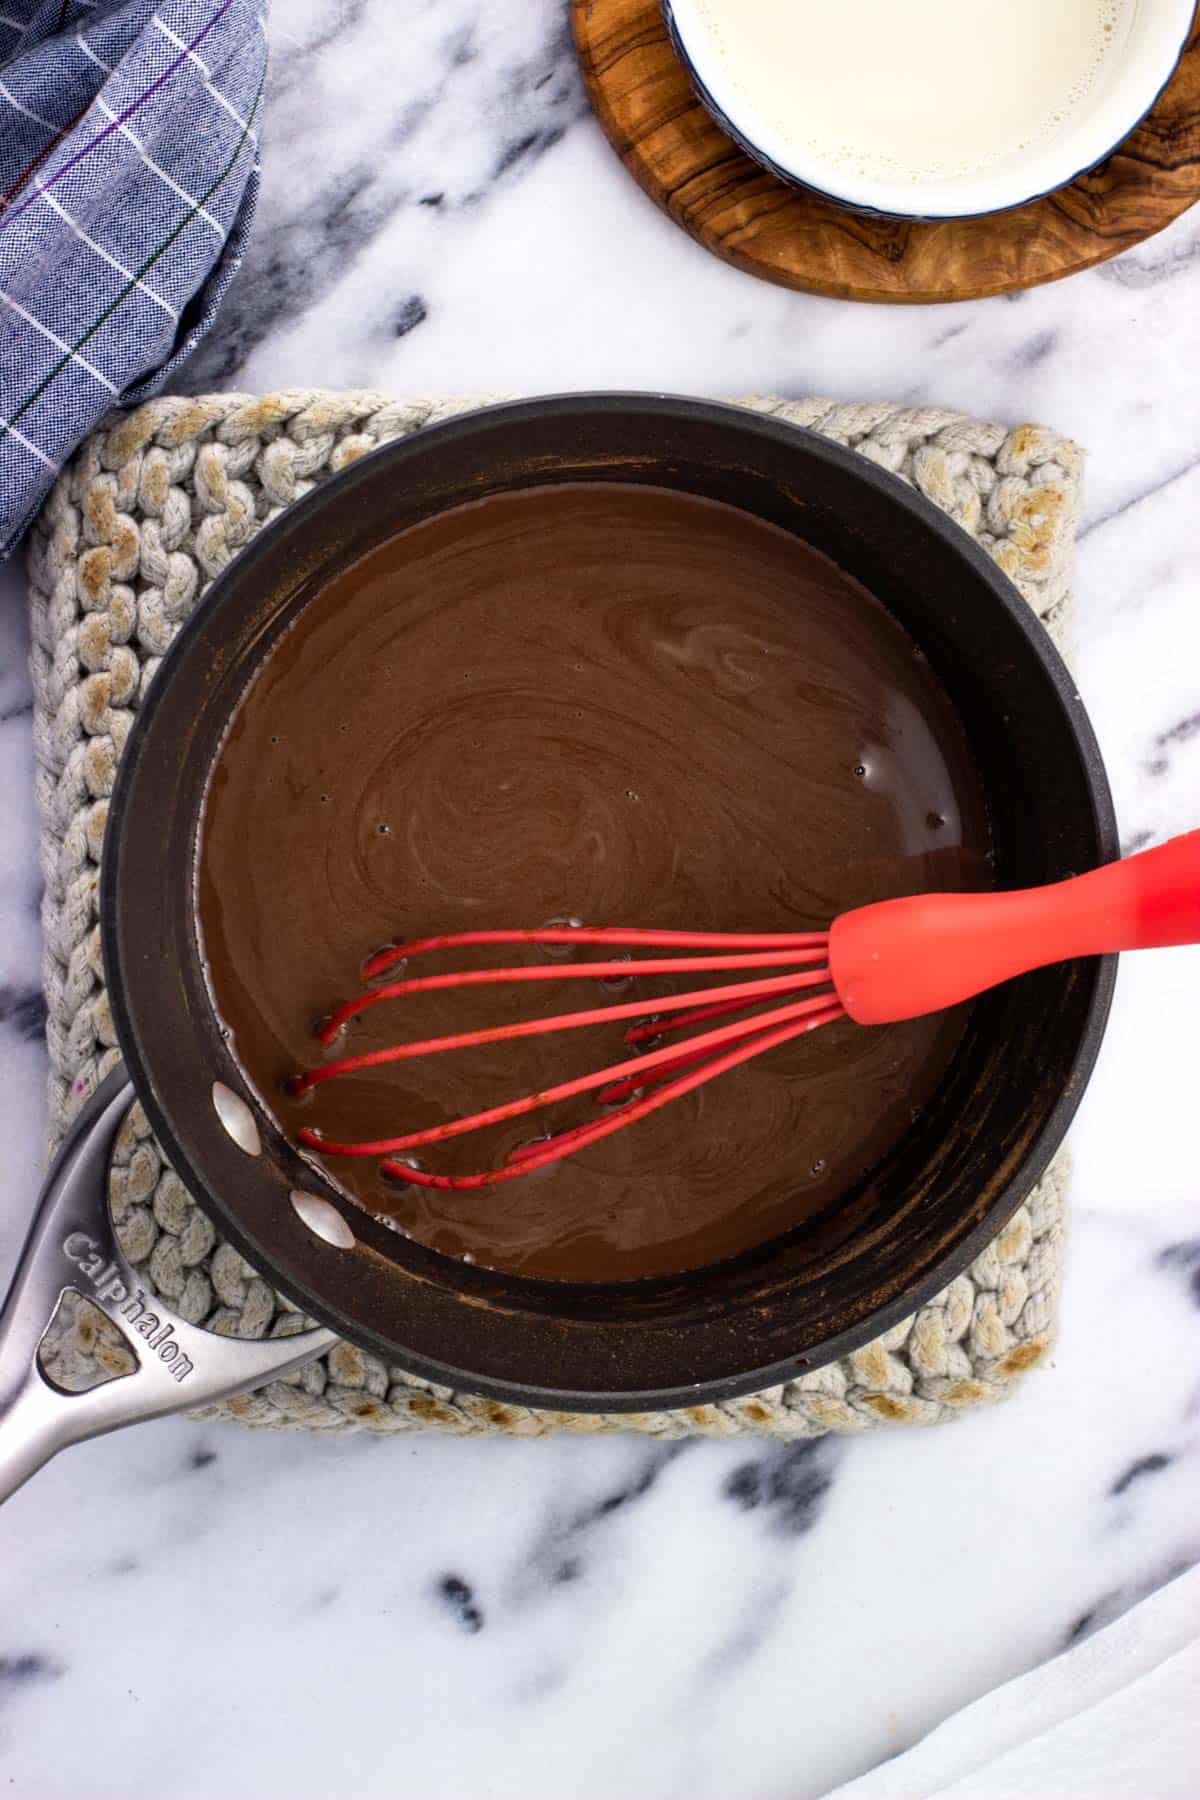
<point>721,108</point>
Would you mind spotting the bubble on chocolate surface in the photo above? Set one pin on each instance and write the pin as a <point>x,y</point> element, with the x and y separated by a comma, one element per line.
<point>390,1223</point>
<point>329,1045</point>
<point>533,1143</point>
<point>392,1174</point>
<point>560,922</point>
<point>394,971</point>
<point>616,984</point>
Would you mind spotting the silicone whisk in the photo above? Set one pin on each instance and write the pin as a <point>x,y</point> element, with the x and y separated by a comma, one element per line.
<point>876,965</point>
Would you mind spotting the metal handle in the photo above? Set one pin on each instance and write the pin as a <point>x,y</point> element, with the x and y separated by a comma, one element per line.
<point>71,1245</point>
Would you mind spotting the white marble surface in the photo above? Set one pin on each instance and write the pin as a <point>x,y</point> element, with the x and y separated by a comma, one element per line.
<point>193,1609</point>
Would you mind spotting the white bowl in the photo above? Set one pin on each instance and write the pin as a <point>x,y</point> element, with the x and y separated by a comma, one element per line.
<point>1154,34</point>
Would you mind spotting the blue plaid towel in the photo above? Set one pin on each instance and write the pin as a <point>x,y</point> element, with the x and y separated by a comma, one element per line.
<point>128,175</point>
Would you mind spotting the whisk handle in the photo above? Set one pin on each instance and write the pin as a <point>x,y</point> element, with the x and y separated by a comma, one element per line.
<point>900,959</point>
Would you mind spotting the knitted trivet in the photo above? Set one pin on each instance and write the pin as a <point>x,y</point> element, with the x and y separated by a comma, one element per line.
<point>149,511</point>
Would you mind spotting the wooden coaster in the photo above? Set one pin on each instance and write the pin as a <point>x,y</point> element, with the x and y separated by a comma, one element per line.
<point>686,163</point>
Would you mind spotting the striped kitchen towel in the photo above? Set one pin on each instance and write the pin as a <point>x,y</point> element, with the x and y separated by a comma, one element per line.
<point>128,175</point>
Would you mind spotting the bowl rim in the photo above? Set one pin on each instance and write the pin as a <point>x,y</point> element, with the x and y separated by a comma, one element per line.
<point>815,180</point>
<point>274,1245</point>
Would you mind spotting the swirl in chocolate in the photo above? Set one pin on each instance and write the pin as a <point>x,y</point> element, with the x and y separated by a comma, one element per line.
<point>613,703</point>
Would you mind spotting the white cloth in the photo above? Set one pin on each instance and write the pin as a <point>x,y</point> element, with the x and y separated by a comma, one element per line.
<point>1116,1718</point>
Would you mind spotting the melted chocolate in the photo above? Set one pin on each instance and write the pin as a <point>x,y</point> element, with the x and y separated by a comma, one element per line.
<point>612,703</point>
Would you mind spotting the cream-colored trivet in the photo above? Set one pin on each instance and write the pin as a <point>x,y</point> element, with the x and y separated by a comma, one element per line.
<point>148,512</point>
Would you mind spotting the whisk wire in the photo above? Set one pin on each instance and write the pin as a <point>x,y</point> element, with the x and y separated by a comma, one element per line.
<point>739,996</point>
<point>554,1148</point>
<point>786,957</point>
<point>774,1014</point>
<point>638,1071</point>
<point>616,935</point>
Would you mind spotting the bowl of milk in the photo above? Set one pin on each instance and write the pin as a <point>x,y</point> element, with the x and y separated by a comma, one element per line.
<point>929,108</point>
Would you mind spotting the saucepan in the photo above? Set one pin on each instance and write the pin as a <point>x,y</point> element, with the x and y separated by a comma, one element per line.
<point>819,1291</point>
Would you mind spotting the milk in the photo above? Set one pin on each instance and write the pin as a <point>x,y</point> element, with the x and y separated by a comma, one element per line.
<point>922,90</point>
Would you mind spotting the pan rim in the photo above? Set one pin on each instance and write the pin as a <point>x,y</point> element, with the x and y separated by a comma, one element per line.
<point>225,593</point>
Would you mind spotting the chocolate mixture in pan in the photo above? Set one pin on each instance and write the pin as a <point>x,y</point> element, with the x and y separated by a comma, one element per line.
<point>615,704</point>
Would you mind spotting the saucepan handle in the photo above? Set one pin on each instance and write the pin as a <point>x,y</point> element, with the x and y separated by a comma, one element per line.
<point>72,1245</point>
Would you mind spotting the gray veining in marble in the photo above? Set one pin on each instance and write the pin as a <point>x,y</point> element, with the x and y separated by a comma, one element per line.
<point>190,1608</point>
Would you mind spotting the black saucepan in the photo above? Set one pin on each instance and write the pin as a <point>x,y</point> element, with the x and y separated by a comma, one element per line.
<point>795,1303</point>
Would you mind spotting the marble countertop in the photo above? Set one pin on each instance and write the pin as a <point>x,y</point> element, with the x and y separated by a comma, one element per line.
<point>188,1606</point>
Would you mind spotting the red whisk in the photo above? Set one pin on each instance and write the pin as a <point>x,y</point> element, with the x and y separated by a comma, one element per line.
<point>897,959</point>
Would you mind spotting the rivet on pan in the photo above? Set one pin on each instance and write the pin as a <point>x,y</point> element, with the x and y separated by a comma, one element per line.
<point>237,1119</point>
<point>323,1219</point>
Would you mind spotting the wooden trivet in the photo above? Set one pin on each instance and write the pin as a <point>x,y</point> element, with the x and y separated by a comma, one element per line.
<point>643,98</point>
